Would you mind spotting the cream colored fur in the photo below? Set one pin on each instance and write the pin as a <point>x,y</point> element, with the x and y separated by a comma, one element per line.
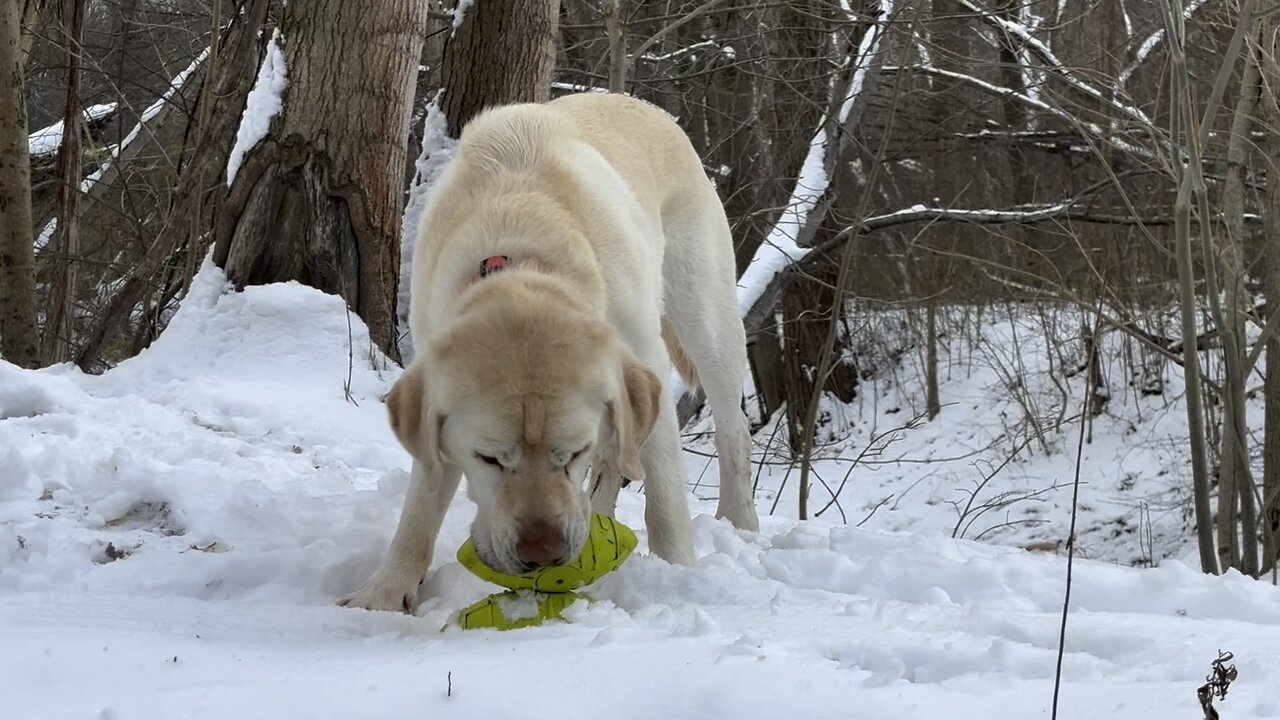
<point>622,264</point>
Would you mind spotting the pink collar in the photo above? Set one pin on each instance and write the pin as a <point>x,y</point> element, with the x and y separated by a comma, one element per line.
<point>488,266</point>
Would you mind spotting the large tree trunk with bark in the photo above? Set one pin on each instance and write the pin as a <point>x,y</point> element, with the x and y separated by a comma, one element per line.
<point>18,341</point>
<point>319,199</point>
<point>503,52</point>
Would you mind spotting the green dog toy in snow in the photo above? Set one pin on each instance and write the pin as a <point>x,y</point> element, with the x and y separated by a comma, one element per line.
<point>543,594</point>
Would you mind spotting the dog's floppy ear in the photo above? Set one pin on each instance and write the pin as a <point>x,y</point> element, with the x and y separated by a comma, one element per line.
<point>632,417</point>
<point>415,425</point>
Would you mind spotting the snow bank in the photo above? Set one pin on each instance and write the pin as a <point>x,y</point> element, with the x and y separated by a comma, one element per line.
<point>173,534</point>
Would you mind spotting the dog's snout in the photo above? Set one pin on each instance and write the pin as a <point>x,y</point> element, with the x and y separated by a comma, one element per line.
<point>541,545</point>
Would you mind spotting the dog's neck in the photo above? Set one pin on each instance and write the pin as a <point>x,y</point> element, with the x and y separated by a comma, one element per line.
<point>489,266</point>
<point>498,263</point>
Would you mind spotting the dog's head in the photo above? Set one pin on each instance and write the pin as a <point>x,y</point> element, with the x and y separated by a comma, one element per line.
<point>523,393</point>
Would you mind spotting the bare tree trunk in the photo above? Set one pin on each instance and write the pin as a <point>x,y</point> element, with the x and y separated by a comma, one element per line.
<point>1236,483</point>
<point>60,324</point>
<point>199,230</point>
<point>18,340</point>
<point>1269,59</point>
<point>1182,118</point>
<point>30,23</point>
<point>617,45</point>
<point>319,199</point>
<point>932,400</point>
<point>504,52</point>
<point>808,306</point>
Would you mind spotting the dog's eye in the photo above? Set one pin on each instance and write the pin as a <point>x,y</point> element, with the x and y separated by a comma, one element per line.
<point>489,460</point>
<point>579,453</point>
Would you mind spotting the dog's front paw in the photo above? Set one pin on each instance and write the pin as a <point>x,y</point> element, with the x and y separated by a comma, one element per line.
<point>384,592</point>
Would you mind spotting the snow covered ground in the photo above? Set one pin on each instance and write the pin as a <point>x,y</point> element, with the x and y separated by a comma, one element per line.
<point>999,461</point>
<point>174,532</point>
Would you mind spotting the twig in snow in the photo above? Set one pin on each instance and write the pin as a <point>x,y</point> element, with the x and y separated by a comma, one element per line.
<point>1216,684</point>
<point>1071,533</point>
<point>883,501</point>
<point>351,360</point>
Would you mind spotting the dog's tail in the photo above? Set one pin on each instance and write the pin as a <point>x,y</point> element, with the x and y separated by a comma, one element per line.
<point>679,359</point>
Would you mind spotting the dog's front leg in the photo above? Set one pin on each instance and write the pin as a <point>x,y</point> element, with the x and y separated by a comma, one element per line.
<point>394,586</point>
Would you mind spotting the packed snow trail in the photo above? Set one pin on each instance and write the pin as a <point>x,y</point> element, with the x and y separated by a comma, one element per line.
<point>173,535</point>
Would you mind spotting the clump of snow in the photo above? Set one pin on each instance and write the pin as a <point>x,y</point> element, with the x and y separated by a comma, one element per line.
<point>518,605</point>
<point>25,394</point>
<point>460,12</point>
<point>263,103</point>
<point>577,88</point>
<point>46,141</point>
<point>174,533</point>
<point>437,151</point>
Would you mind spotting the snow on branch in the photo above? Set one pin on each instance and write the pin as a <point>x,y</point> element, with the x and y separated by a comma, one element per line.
<point>683,51</point>
<point>1091,129</point>
<point>577,87</point>
<point>1154,39</point>
<point>1047,56</point>
<point>46,141</point>
<point>915,213</point>
<point>1018,215</point>
<point>781,246</point>
<point>459,13</point>
<point>175,86</point>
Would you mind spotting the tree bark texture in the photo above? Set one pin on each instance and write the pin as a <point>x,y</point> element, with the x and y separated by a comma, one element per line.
<point>616,29</point>
<point>504,52</point>
<point>31,10</point>
<point>319,200</point>
<point>18,341</point>
<point>60,323</point>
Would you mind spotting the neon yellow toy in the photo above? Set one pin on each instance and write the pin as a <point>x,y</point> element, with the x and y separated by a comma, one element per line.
<point>543,594</point>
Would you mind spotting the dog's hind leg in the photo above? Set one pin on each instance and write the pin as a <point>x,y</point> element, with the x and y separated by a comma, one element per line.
<point>701,303</point>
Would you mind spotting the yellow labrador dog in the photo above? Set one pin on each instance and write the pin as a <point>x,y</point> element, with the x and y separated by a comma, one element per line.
<point>571,252</point>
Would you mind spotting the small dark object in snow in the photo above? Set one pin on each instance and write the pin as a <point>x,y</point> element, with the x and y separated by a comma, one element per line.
<point>1217,682</point>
